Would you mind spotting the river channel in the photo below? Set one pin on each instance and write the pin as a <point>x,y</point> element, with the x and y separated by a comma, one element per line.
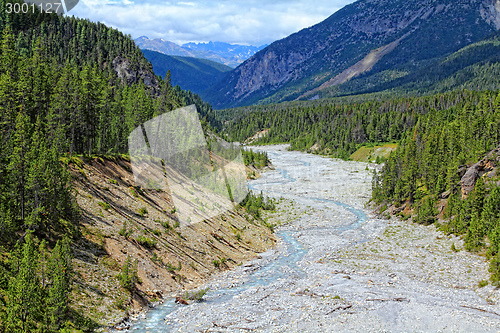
<point>304,286</point>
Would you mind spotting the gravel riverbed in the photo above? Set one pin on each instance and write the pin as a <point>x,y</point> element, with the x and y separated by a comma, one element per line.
<point>337,268</point>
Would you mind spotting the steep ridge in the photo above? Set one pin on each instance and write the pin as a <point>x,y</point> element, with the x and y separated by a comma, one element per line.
<point>189,73</point>
<point>426,30</point>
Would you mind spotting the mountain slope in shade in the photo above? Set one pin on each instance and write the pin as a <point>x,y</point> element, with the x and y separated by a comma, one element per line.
<point>364,38</point>
<point>189,73</point>
<point>228,54</point>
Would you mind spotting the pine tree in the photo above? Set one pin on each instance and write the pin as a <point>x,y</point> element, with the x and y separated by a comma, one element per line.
<point>17,170</point>
<point>24,294</point>
<point>60,275</point>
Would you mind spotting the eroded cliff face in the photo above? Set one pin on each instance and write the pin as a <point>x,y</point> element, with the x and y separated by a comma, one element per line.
<point>132,73</point>
<point>489,166</point>
<point>303,61</point>
<point>120,221</point>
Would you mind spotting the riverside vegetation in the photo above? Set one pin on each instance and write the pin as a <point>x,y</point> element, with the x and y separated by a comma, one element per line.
<point>444,171</point>
<point>68,88</point>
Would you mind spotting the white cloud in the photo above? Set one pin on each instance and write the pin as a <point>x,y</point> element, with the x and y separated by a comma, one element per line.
<point>253,22</point>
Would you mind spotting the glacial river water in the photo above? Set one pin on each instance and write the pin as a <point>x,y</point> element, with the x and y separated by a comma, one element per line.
<point>306,284</point>
<point>289,167</point>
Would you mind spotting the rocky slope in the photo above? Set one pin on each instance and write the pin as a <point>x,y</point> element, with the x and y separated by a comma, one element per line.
<point>407,35</point>
<point>120,220</point>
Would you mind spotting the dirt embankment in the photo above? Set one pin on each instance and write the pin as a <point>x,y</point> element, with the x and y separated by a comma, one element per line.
<point>120,220</point>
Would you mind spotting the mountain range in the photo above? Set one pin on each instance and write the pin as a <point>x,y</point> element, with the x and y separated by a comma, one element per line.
<point>377,43</point>
<point>193,74</point>
<point>228,54</point>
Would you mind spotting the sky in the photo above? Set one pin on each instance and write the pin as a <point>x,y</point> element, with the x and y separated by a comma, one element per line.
<point>247,22</point>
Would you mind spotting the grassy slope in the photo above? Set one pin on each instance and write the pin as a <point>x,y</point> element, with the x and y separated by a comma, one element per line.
<point>369,154</point>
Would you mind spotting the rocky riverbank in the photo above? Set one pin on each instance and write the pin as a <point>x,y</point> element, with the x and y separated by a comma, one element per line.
<point>338,268</point>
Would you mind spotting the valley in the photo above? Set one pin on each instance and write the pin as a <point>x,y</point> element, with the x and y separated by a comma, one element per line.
<point>338,266</point>
<point>374,169</point>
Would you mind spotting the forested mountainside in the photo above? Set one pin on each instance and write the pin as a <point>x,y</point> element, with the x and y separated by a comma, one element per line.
<point>474,67</point>
<point>382,40</point>
<point>189,73</point>
<point>338,129</point>
<point>447,171</point>
<point>71,91</point>
<point>67,86</point>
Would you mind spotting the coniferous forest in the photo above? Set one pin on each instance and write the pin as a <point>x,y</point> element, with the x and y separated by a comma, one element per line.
<point>61,94</point>
<point>439,136</point>
<point>72,87</point>
<point>339,128</point>
<point>434,173</point>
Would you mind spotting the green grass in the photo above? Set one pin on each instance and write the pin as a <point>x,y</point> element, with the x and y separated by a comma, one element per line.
<point>369,153</point>
<point>483,283</point>
<point>196,296</point>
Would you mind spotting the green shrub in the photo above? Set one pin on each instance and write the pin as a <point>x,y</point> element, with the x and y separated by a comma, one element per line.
<point>104,205</point>
<point>171,268</point>
<point>383,209</point>
<point>142,211</point>
<point>128,276</point>
<point>196,296</point>
<point>155,258</point>
<point>146,242</point>
<point>124,231</point>
<point>133,192</point>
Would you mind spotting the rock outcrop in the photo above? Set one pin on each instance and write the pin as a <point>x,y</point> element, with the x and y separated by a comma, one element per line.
<point>131,73</point>
<point>489,164</point>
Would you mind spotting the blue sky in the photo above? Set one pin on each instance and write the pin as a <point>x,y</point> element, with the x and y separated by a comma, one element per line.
<point>250,22</point>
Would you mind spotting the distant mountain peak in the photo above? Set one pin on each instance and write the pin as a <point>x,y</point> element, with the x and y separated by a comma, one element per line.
<point>228,54</point>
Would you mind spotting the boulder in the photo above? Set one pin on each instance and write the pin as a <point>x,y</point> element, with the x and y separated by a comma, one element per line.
<point>180,300</point>
<point>487,164</point>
